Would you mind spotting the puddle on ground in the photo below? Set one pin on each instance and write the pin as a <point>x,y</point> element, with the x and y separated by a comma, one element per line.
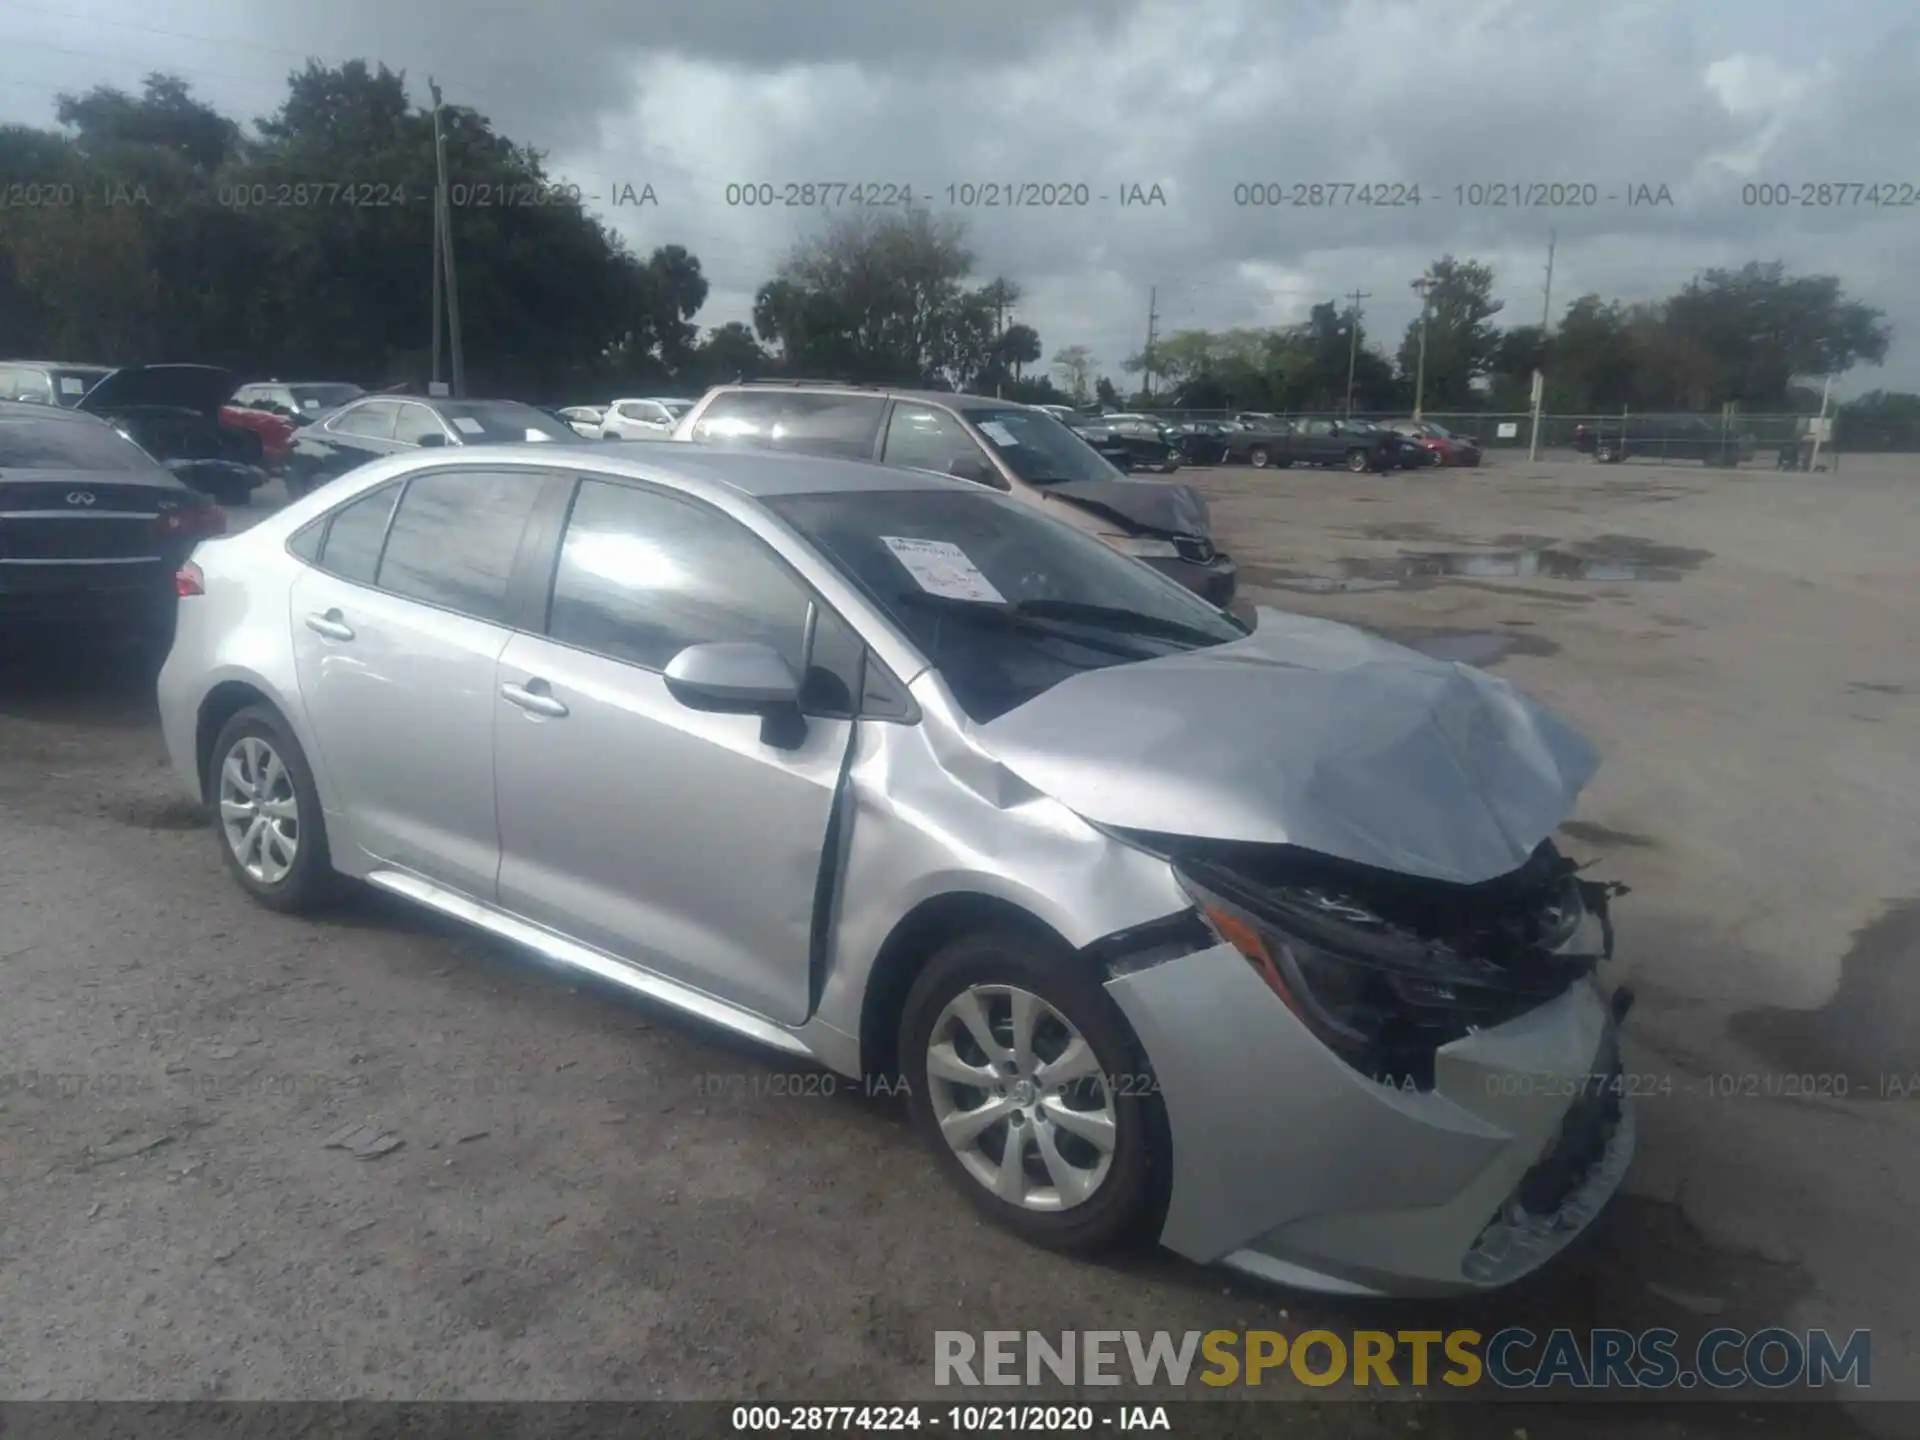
<point>1612,559</point>
<point>1868,687</point>
<point>1867,1032</point>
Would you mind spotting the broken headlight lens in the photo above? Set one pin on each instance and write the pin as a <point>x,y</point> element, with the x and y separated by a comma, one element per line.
<point>1380,998</point>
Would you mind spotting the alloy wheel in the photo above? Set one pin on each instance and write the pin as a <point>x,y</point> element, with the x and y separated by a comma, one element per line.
<point>259,810</point>
<point>1020,1098</point>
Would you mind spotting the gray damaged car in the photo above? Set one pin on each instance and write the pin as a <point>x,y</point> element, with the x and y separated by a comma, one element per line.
<point>1250,939</point>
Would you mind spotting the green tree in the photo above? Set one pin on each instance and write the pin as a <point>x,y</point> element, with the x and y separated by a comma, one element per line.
<point>1460,341</point>
<point>1074,365</point>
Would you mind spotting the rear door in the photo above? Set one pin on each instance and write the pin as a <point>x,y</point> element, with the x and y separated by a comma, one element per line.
<point>677,839</point>
<point>396,631</point>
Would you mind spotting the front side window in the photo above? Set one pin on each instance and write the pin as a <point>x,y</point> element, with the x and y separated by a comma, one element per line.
<point>1005,602</point>
<point>643,575</point>
<point>416,422</point>
<point>922,437</point>
<point>455,536</point>
<point>31,387</point>
<point>845,426</point>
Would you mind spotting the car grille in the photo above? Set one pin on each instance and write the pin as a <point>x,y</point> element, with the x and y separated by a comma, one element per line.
<point>1193,548</point>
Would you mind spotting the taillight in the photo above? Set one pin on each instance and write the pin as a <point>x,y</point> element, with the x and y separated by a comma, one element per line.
<point>188,580</point>
<point>201,520</point>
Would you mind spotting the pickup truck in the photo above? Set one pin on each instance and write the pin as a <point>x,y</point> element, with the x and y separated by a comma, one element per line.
<point>1354,447</point>
<point>1665,437</point>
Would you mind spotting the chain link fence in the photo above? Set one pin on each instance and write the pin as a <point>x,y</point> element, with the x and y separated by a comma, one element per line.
<point>1498,431</point>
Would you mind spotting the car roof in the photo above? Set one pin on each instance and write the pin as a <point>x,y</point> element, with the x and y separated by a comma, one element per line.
<point>953,400</point>
<point>758,474</point>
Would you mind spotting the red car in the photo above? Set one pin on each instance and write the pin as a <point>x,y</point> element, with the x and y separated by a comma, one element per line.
<point>1442,444</point>
<point>274,409</point>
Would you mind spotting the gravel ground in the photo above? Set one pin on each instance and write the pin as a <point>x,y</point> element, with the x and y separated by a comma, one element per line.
<point>589,1198</point>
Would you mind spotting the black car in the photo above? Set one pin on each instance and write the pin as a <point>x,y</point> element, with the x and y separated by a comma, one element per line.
<point>92,529</point>
<point>1127,444</point>
<point>391,425</point>
<point>1665,437</point>
<point>173,413</point>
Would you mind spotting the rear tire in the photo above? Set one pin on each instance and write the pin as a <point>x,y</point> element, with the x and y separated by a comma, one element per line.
<point>266,814</point>
<point>1259,457</point>
<point>1358,462</point>
<point>1064,1190</point>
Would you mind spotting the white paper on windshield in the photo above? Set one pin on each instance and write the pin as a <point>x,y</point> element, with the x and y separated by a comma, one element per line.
<point>467,425</point>
<point>940,567</point>
<point>997,432</point>
<point>72,385</point>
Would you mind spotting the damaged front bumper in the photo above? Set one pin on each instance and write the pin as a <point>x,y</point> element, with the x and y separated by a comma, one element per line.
<point>1292,1165</point>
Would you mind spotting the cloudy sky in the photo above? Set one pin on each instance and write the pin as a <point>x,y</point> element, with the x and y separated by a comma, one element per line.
<point>1198,97</point>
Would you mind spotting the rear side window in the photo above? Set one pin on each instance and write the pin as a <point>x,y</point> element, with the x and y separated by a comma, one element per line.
<point>845,426</point>
<point>455,536</point>
<point>352,546</point>
<point>643,575</point>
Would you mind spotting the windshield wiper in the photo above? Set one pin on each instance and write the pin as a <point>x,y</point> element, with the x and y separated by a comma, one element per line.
<point>1022,619</point>
<point>1133,622</point>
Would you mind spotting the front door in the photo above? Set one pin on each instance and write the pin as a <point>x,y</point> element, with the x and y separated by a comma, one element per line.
<point>396,634</point>
<point>676,839</point>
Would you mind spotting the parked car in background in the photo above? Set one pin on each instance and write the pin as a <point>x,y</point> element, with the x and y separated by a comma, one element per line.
<point>274,409</point>
<point>1013,448</point>
<point>1105,442</point>
<point>1397,451</point>
<point>648,419</point>
<point>1666,437</point>
<point>49,382</point>
<point>92,529</point>
<point>389,425</point>
<point>1249,940</point>
<point>1066,414</point>
<point>173,413</point>
<point>1152,443</point>
<point>1357,446</point>
<point>585,419</point>
<point>1232,442</point>
<point>1439,444</point>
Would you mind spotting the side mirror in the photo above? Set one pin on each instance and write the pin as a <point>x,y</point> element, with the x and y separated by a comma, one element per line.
<point>432,441</point>
<point>972,467</point>
<point>733,677</point>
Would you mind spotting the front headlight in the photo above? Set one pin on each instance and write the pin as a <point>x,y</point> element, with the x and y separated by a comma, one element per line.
<point>1381,999</point>
<point>1143,547</point>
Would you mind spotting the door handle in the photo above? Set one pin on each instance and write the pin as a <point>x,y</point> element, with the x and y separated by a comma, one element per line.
<point>330,625</point>
<point>534,698</point>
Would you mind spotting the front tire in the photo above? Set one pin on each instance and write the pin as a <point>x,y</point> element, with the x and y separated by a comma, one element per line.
<point>1357,462</point>
<point>266,814</point>
<point>1259,457</point>
<point>1034,1096</point>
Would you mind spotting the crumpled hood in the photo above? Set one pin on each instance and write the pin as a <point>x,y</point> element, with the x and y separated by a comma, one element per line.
<point>1313,734</point>
<point>200,388</point>
<point>1147,505</point>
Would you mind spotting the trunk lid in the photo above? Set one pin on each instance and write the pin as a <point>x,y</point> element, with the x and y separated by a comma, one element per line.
<point>200,388</point>
<point>1309,734</point>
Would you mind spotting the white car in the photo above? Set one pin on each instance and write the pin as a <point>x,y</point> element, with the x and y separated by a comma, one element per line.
<point>648,419</point>
<point>585,419</point>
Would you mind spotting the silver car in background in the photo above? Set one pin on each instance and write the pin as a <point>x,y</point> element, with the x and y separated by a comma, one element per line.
<point>1245,938</point>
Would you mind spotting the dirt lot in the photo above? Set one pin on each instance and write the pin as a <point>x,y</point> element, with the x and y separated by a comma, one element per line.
<point>597,1200</point>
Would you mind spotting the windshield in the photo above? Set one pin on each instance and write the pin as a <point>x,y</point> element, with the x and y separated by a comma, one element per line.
<point>503,422</point>
<point>1038,447</point>
<point>324,397</point>
<point>70,387</point>
<point>27,443</point>
<point>1003,601</point>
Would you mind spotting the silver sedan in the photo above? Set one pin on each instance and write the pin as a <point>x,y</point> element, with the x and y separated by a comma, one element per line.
<point>1248,938</point>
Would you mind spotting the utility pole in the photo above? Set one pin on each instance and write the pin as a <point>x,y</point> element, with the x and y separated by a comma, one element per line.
<point>1422,285</point>
<point>443,212</point>
<point>1153,325</point>
<point>1820,425</point>
<point>1353,341</point>
<point>1000,336</point>
<point>1546,324</point>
